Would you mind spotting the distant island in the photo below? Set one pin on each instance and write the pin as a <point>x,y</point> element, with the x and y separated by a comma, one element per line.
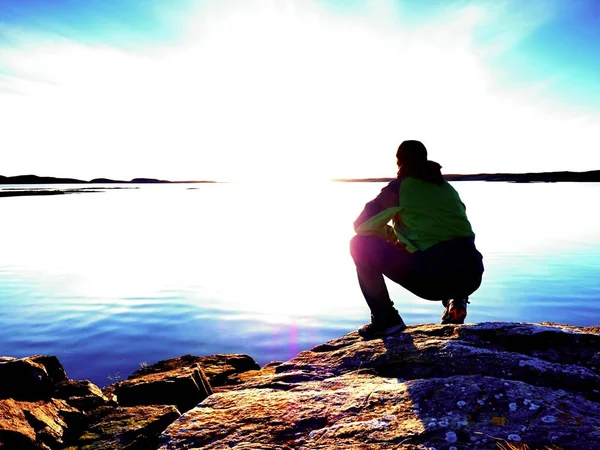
<point>38,181</point>
<point>34,179</point>
<point>530,177</point>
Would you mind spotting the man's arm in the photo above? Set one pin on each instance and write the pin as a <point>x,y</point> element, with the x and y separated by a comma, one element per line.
<point>378,212</point>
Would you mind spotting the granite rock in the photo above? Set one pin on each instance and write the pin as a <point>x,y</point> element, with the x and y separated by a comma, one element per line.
<point>431,386</point>
<point>29,378</point>
<point>481,386</point>
<point>42,424</point>
<point>221,370</point>
<point>82,394</point>
<point>184,381</point>
<point>131,428</point>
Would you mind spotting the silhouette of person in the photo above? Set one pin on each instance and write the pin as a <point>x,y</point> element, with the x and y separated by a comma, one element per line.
<point>430,249</point>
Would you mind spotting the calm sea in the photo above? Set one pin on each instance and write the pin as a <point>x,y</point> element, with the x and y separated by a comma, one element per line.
<point>113,280</point>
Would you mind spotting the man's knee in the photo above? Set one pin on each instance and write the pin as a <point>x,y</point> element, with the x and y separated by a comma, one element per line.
<point>358,246</point>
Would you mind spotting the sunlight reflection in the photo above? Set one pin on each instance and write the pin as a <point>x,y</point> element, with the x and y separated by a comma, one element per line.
<point>277,252</point>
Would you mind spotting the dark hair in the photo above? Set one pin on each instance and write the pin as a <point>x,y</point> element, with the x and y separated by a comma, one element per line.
<point>413,162</point>
<point>411,152</point>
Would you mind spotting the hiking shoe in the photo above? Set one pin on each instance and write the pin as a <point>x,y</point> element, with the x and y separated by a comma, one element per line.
<point>456,311</point>
<point>382,327</point>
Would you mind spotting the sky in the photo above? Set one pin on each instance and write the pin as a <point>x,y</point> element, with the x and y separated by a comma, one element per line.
<point>306,89</point>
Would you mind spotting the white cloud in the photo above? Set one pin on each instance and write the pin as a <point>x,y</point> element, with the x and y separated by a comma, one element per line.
<point>259,88</point>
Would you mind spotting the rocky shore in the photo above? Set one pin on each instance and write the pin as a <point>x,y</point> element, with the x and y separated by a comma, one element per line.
<point>485,386</point>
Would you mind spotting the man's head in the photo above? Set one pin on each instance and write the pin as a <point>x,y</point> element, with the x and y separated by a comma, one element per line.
<point>411,153</point>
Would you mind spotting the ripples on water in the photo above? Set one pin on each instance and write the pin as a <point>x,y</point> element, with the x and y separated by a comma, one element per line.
<point>107,281</point>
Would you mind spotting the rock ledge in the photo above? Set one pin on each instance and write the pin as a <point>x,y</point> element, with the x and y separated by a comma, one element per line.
<point>481,386</point>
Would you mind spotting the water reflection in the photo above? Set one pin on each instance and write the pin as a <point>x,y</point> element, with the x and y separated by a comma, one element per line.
<point>105,281</point>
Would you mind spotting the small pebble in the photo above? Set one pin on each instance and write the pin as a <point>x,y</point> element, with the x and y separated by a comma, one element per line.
<point>533,407</point>
<point>452,447</point>
<point>461,403</point>
<point>512,406</point>
<point>481,402</point>
<point>514,437</point>
<point>548,419</point>
<point>451,437</point>
<point>416,406</point>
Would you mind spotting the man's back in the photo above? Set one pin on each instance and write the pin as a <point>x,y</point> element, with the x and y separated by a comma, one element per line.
<point>429,213</point>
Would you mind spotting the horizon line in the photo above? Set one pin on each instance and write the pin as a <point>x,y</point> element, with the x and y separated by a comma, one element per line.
<point>21,179</point>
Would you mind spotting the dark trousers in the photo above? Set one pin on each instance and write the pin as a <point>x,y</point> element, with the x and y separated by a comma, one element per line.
<point>449,269</point>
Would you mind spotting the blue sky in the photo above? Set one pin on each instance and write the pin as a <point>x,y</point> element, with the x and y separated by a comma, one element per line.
<point>236,89</point>
<point>114,22</point>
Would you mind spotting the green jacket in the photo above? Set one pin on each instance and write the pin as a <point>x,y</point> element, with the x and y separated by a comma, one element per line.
<point>424,209</point>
